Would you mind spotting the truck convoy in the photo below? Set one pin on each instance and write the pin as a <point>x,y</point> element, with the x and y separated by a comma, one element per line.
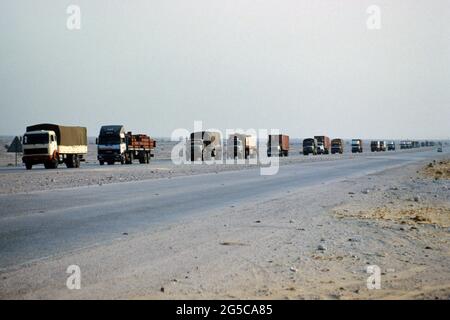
<point>309,146</point>
<point>337,146</point>
<point>204,145</point>
<point>323,144</point>
<point>52,144</point>
<point>278,144</point>
<point>241,146</point>
<point>357,146</point>
<point>115,145</point>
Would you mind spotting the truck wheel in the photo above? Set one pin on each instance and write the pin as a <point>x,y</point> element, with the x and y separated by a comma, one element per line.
<point>76,161</point>
<point>51,165</point>
<point>28,165</point>
<point>147,156</point>
<point>130,159</point>
<point>102,163</point>
<point>70,163</point>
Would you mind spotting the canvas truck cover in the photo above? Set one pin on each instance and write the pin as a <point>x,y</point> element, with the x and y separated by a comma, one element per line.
<point>209,136</point>
<point>66,136</point>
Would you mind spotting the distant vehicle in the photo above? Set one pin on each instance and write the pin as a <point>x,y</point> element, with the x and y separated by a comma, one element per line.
<point>383,145</point>
<point>278,144</point>
<point>391,146</point>
<point>241,146</point>
<point>309,146</point>
<point>337,146</point>
<point>375,146</point>
<point>439,149</point>
<point>323,144</point>
<point>204,145</point>
<point>52,144</point>
<point>116,145</point>
<point>357,146</point>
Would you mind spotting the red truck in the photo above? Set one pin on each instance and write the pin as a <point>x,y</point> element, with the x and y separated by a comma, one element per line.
<point>278,144</point>
<point>141,146</point>
<point>323,144</point>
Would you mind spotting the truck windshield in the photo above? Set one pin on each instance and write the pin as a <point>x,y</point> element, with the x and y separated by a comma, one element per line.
<point>38,138</point>
<point>308,142</point>
<point>108,140</point>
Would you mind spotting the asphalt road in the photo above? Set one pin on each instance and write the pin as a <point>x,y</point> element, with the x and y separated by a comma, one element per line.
<point>42,224</point>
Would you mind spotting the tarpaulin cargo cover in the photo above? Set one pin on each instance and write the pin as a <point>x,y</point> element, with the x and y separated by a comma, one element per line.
<point>66,136</point>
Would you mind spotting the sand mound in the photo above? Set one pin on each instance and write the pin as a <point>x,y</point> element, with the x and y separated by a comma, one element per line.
<point>435,215</point>
<point>437,169</point>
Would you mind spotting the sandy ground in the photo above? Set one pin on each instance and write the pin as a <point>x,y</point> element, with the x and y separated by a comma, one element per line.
<point>315,243</point>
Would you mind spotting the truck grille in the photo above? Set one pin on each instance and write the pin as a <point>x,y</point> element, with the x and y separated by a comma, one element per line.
<point>35,151</point>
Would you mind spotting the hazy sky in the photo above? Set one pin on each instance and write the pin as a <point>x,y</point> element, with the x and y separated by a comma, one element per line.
<point>305,67</point>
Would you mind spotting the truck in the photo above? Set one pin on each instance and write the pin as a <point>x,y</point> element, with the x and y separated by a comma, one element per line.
<point>52,144</point>
<point>241,146</point>
<point>278,144</point>
<point>375,146</point>
<point>337,146</point>
<point>204,145</point>
<point>383,145</point>
<point>357,146</point>
<point>114,144</point>
<point>323,144</point>
<point>309,146</point>
<point>391,146</point>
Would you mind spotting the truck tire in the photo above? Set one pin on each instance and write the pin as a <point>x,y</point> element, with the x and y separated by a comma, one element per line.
<point>129,159</point>
<point>147,158</point>
<point>70,161</point>
<point>102,163</point>
<point>28,165</point>
<point>51,164</point>
<point>76,162</point>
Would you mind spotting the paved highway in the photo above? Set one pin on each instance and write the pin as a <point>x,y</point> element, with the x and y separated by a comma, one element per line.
<point>47,223</point>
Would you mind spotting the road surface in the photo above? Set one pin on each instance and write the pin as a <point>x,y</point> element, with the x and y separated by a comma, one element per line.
<point>47,223</point>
